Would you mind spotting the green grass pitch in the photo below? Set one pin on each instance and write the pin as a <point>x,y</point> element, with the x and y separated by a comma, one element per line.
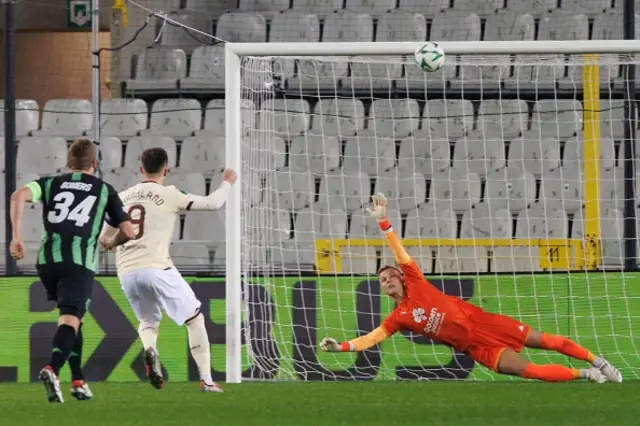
<point>364,403</point>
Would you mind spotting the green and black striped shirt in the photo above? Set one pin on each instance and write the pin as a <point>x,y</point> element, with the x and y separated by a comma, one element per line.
<point>74,209</point>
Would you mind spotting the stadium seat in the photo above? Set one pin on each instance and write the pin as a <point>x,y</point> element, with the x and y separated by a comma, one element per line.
<point>536,8</point>
<point>65,118</point>
<point>612,187</point>
<point>447,119</point>
<point>205,226</point>
<point>286,117</point>
<point>136,146</point>
<point>396,118</point>
<point>121,178</point>
<point>510,188</point>
<point>381,72</point>
<point>204,155</point>
<point>242,28</point>
<point>307,223</point>
<point>450,26</point>
<point>219,257</point>
<point>591,8</point>
<point>422,255</point>
<point>177,118</point>
<point>547,72</point>
<point>21,180</point>
<point>278,226</point>
<point>611,234</point>
<point>557,118</point>
<point>214,117</point>
<point>188,181</point>
<point>44,155</point>
<point>176,37</point>
<point>208,7</point>
<point>509,25</point>
<point>301,27</point>
<point>564,187</point>
<point>424,153</point>
<point>542,220</point>
<point>573,155</point>
<point>32,223</point>
<point>482,72</point>
<point>481,8</point>
<point>189,257</point>
<point>27,117</point>
<point>484,221</point>
<point>343,26</point>
<point>206,72</point>
<point>264,7</point>
<point>314,153</point>
<point>612,119</point>
<point>358,260</point>
<point>123,118</point>
<point>110,152</point>
<point>372,7</point>
<point>369,154</point>
<point>425,7</point>
<point>503,118</point>
<point>455,260</point>
<point>317,7</point>
<point>478,154</point>
<point>290,190</point>
<point>363,225</point>
<point>431,221</point>
<point>344,190</point>
<point>404,189</point>
<point>534,154</point>
<point>337,117</point>
<point>158,70</point>
<point>294,256</point>
<point>455,189</point>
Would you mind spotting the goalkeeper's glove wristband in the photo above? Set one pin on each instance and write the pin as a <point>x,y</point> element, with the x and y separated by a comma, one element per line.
<point>384,224</point>
<point>346,347</point>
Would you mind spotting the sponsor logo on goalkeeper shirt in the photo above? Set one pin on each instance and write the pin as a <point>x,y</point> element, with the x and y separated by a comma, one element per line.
<point>435,321</point>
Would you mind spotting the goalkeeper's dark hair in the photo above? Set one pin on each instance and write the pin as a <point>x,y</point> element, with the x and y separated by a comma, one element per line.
<point>81,155</point>
<point>154,160</point>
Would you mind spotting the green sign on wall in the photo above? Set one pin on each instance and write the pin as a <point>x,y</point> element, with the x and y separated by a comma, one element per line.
<point>290,315</point>
<point>79,14</point>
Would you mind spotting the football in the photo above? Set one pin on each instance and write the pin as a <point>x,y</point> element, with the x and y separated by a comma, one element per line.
<point>430,57</point>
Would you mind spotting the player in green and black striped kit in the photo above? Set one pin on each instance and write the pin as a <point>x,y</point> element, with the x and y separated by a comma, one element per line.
<point>74,208</point>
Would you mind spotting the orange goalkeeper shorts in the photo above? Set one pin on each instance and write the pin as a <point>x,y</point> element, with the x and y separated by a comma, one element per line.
<point>492,335</point>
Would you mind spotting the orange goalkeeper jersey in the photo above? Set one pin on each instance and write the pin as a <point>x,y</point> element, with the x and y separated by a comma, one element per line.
<point>427,311</point>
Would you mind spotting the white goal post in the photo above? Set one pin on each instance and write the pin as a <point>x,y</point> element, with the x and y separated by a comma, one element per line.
<point>235,220</point>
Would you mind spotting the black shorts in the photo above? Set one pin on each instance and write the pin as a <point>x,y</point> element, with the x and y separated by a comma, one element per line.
<point>70,286</point>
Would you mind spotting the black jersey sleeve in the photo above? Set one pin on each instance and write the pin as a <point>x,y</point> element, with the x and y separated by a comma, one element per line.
<point>115,209</point>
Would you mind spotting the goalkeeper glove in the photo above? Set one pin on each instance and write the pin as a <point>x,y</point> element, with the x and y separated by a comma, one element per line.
<point>379,211</point>
<point>331,345</point>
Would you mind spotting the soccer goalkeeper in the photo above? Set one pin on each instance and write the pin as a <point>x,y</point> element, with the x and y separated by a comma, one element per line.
<point>490,339</point>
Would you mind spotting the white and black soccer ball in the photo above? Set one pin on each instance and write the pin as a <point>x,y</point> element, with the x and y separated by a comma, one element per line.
<point>430,57</point>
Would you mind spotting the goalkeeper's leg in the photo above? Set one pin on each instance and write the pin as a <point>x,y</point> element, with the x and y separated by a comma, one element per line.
<point>510,362</point>
<point>570,348</point>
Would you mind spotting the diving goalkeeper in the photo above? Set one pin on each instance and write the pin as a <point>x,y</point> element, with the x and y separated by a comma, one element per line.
<point>490,339</point>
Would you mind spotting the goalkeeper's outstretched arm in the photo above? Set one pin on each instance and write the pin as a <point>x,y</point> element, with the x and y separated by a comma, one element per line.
<point>379,212</point>
<point>358,344</point>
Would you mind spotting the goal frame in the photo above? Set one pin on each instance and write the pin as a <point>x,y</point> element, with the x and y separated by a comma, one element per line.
<point>233,131</point>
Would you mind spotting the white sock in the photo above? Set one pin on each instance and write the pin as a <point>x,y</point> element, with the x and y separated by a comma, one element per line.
<point>148,332</point>
<point>200,347</point>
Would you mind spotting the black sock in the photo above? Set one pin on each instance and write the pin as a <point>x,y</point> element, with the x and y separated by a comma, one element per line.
<point>75,357</point>
<point>62,345</point>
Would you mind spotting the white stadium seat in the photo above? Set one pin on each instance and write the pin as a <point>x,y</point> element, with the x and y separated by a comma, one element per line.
<point>431,221</point>
<point>214,117</point>
<point>447,118</point>
<point>404,189</point>
<point>121,178</point>
<point>482,8</point>
<point>136,146</point>
<point>242,28</point>
<point>534,154</point>
<point>204,155</point>
<point>205,226</point>
<point>483,221</point>
<point>175,36</point>
<point>372,7</point>
<point>536,8</point>
<point>369,153</point>
<point>426,7</point>
<point>279,226</point>
<point>503,118</point>
<point>189,256</point>
<point>27,117</point>
<point>455,260</point>
<point>510,188</point>
<point>44,155</point>
<point>563,186</point>
<point>110,152</point>
<point>338,117</point>
<point>396,118</point>
<point>358,260</point>
<point>317,7</point>
<point>32,223</point>
<point>158,70</point>
<point>177,118</point>
<point>509,25</point>
<point>363,225</point>
<point>123,118</point>
<point>557,118</point>
<point>187,181</point>
<point>611,234</point>
<point>286,117</point>
<point>344,190</point>
<point>206,72</point>
<point>422,153</point>
<point>66,118</point>
<point>455,189</point>
<point>292,26</point>
<point>290,190</point>
<point>478,154</point>
<point>573,155</point>
<point>541,220</point>
<point>314,153</point>
<point>264,7</point>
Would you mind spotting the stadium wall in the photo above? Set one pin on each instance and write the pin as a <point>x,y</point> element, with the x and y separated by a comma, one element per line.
<point>291,314</point>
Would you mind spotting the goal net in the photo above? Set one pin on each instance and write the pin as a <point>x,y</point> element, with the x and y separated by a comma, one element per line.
<point>504,175</point>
